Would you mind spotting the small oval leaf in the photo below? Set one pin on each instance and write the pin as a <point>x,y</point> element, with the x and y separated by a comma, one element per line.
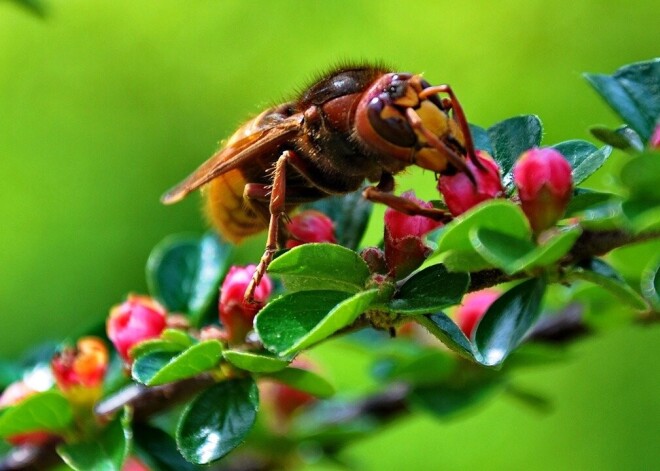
<point>217,420</point>
<point>429,290</point>
<point>254,362</point>
<point>46,411</point>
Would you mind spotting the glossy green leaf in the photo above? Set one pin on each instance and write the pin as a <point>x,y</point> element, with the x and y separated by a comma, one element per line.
<point>633,92</point>
<point>622,137</point>
<point>178,336</point>
<point>254,362</point>
<point>512,137</point>
<point>499,215</point>
<point>161,447</point>
<point>507,321</point>
<point>350,213</point>
<point>584,157</point>
<point>598,272</point>
<point>429,290</point>
<point>321,267</point>
<point>154,345</point>
<point>184,272</point>
<point>446,330</point>
<point>513,255</point>
<point>480,138</point>
<point>217,420</point>
<point>651,283</point>
<point>303,380</point>
<point>342,313</point>
<point>164,367</point>
<point>47,411</point>
<point>107,452</point>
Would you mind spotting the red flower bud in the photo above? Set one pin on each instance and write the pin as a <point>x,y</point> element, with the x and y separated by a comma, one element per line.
<point>79,371</point>
<point>310,226</point>
<point>545,184</point>
<point>654,142</point>
<point>460,194</point>
<point>404,247</point>
<point>235,314</point>
<point>12,395</point>
<point>473,308</point>
<point>140,318</point>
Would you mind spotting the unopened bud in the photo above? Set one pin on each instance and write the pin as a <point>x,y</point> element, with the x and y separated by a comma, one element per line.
<point>310,226</point>
<point>544,181</point>
<point>236,314</point>
<point>138,319</point>
<point>473,308</point>
<point>405,249</point>
<point>460,193</point>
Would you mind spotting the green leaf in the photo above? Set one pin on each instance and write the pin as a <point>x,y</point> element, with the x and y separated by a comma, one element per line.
<point>499,215</point>
<point>429,366</point>
<point>507,321</point>
<point>480,138</point>
<point>429,290</point>
<point>622,138</point>
<point>165,367</point>
<point>350,213</point>
<point>254,362</point>
<point>154,345</point>
<point>303,380</point>
<point>598,272</point>
<point>184,272</point>
<point>584,158</point>
<point>641,215</point>
<point>178,336</point>
<point>584,199</point>
<point>513,255</point>
<point>46,411</point>
<point>446,330</point>
<point>106,452</point>
<point>321,266</point>
<point>641,176</point>
<point>298,320</point>
<point>217,420</point>
<point>633,92</point>
<point>512,137</point>
<point>161,447</point>
<point>651,283</point>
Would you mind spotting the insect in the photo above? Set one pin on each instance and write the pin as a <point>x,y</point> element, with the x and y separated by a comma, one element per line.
<point>356,123</point>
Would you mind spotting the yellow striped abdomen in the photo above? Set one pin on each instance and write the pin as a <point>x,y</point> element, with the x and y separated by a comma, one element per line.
<point>226,209</point>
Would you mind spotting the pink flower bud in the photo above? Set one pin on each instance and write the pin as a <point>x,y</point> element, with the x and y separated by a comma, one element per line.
<point>133,463</point>
<point>544,181</point>
<point>310,226</point>
<point>460,194</point>
<point>404,247</point>
<point>473,308</point>
<point>14,394</point>
<point>237,315</point>
<point>140,318</point>
<point>79,371</point>
<point>654,142</point>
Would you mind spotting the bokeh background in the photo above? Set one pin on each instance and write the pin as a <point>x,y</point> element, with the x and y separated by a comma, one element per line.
<point>105,104</point>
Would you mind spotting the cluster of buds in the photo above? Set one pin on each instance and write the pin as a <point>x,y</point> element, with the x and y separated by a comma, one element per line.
<point>310,226</point>
<point>236,314</point>
<point>472,309</point>
<point>545,185</point>
<point>138,319</point>
<point>79,370</point>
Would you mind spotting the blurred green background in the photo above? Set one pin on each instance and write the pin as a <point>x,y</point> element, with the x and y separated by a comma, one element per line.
<point>105,104</point>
